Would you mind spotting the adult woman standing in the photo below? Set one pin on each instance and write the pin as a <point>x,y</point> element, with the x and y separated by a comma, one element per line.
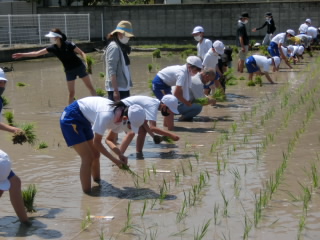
<point>118,76</point>
<point>83,124</point>
<point>67,53</point>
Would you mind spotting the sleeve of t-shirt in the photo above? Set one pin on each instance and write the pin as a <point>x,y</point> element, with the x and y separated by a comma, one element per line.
<point>50,48</point>
<point>71,45</point>
<point>180,78</point>
<point>205,61</point>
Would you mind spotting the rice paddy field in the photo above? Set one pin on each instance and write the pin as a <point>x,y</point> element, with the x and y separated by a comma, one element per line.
<point>247,168</point>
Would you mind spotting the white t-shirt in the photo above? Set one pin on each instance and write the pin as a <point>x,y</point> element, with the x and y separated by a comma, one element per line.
<point>177,75</point>
<point>295,50</point>
<point>210,60</point>
<point>204,47</point>
<point>285,51</point>
<point>196,91</point>
<point>262,62</point>
<point>279,38</point>
<point>99,113</point>
<point>149,104</point>
<point>313,32</point>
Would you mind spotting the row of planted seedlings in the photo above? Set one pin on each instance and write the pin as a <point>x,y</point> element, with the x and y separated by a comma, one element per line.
<point>235,172</point>
<point>272,184</point>
<point>191,197</point>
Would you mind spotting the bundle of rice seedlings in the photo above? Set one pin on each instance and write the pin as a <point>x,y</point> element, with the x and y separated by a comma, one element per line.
<point>202,101</point>
<point>9,116</point>
<point>167,139</point>
<point>156,53</point>
<point>251,83</point>
<point>219,95</point>
<point>258,80</point>
<point>90,61</point>
<point>5,101</point>
<point>101,92</point>
<point>26,135</point>
<point>42,145</point>
<point>102,74</point>
<point>21,84</point>
<point>28,196</point>
<point>126,168</point>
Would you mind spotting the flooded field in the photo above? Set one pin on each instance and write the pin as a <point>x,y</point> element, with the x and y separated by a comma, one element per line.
<point>247,168</point>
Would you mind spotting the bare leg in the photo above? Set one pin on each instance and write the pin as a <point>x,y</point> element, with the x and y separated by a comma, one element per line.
<point>95,168</point>
<point>71,89</point>
<point>87,81</point>
<point>140,139</point>
<point>16,198</point>
<point>126,141</point>
<point>169,122</point>
<point>86,154</point>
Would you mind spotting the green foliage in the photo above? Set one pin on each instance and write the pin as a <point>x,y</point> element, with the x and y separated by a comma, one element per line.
<point>264,50</point>
<point>102,74</point>
<point>5,101</point>
<point>242,78</point>
<point>167,139</point>
<point>90,61</point>
<point>21,84</point>
<point>28,196</point>
<point>202,101</point>
<point>9,116</point>
<point>187,53</point>
<point>251,83</point>
<point>156,53</point>
<point>219,95</point>
<point>134,2</point>
<point>150,67</point>
<point>101,92</point>
<point>258,81</point>
<point>28,129</point>
<point>42,145</point>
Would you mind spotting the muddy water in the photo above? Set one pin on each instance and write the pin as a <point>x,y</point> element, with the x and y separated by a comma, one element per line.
<point>239,143</point>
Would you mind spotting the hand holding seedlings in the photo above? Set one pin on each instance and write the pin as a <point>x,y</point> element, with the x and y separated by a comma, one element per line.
<point>157,139</point>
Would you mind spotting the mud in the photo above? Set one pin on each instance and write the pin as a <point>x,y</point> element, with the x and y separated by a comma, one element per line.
<point>237,146</point>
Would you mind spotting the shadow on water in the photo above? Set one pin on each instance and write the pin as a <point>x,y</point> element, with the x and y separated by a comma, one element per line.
<point>173,155</point>
<point>213,119</point>
<point>11,227</point>
<point>106,189</point>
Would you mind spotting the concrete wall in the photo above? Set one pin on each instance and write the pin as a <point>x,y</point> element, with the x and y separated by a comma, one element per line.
<point>174,23</point>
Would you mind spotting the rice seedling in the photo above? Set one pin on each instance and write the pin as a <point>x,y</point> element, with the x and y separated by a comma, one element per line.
<point>302,224</point>
<point>128,224</point>
<point>5,101</point>
<point>219,95</point>
<point>153,234</point>
<point>153,203</point>
<point>154,170</point>
<point>225,204</point>
<point>42,145</point>
<point>247,227</point>
<point>202,101</point>
<point>145,203</point>
<point>163,191</point>
<point>215,121</point>
<point>167,139</point>
<point>127,169</point>
<point>236,188</point>
<point>176,177</point>
<point>190,166</point>
<point>188,52</point>
<point>236,173</point>
<point>245,169</point>
<point>258,81</point>
<point>9,117</point>
<point>234,127</point>
<point>28,196</point>
<point>101,234</point>
<point>218,165</point>
<point>150,67</point>
<point>21,84</point>
<point>90,61</point>
<point>257,209</point>
<point>251,83</point>
<point>183,170</point>
<point>156,53</point>
<point>183,211</point>
<point>315,176</point>
<point>242,78</point>
<point>100,92</point>
<point>179,233</point>
<point>102,74</point>
<point>215,213</point>
<point>196,155</point>
<point>200,234</point>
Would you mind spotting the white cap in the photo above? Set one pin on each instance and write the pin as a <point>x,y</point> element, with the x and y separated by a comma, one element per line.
<point>2,75</point>
<point>291,32</point>
<point>53,34</point>
<point>5,168</point>
<point>308,20</point>
<point>290,48</point>
<point>303,28</point>
<point>300,50</point>
<point>195,61</point>
<point>171,102</point>
<point>197,29</point>
<point>136,115</point>
<point>218,46</point>
<point>276,61</point>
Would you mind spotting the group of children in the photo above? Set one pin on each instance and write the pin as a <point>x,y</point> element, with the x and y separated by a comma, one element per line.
<point>85,121</point>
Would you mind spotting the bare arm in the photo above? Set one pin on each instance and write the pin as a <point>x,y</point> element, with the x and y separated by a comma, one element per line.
<point>81,53</point>
<point>124,144</point>
<point>98,145</point>
<point>9,128</point>
<point>30,54</point>
<point>178,93</point>
<point>162,132</point>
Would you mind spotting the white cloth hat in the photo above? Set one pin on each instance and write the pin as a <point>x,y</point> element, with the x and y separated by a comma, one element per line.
<point>276,61</point>
<point>53,35</point>
<point>303,28</point>
<point>300,50</point>
<point>291,32</point>
<point>2,75</point>
<point>197,29</point>
<point>290,48</point>
<point>136,115</point>
<point>195,61</point>
<point>308,20</point>
<point>218,46</point>
<point>171,102</point>
<point>5,168</point>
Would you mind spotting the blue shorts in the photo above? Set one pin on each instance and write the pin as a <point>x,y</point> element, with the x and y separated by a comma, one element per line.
<point>78,71</point>
<point>159,88</point>
<point>74,126</point>
<point>273,49</point>
<point>251,65</point>
<point>207,86</point>
<point>11,174</point>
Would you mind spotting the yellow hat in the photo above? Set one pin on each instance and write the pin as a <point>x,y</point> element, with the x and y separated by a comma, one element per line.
<point>125,28</point>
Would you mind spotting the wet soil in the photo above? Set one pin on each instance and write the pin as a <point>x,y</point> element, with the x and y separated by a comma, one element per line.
<point>225,159</point>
